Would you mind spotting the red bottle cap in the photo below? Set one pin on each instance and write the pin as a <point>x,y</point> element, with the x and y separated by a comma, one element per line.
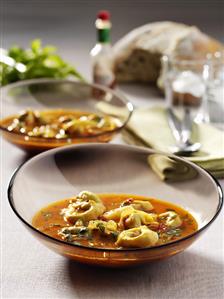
<point>103,15</point>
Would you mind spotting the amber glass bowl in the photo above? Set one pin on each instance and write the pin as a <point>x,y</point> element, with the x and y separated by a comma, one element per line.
<point>111,168</point>
<point>49,94</point>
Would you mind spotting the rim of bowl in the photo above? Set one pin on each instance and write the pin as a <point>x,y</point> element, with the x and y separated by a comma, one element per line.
<point>141,149</point>
<point>119,95</point>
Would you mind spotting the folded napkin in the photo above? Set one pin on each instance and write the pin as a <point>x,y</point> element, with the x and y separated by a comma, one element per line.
<point>170,169</point>
<point>149,127</point>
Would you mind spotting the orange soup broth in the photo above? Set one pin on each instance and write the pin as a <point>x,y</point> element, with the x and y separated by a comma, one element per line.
<point>53,116</point>
<point>49,220</point>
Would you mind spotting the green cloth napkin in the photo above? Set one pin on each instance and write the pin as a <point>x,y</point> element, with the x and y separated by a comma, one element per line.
<point>171,170</point>
<point>149,127</point>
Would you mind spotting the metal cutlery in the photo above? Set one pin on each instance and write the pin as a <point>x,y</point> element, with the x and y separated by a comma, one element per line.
<point>182,131</point>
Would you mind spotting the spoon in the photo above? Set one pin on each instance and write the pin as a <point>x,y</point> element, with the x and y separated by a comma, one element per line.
<point>182,133</point>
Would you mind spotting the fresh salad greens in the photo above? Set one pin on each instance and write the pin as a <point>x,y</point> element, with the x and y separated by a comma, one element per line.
<point>36,62</point>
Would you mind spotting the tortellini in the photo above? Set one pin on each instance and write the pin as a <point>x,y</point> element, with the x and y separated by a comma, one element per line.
<point>138,204</point>
<point>86,206</point>
<point>78,125</point>
<point>105,228</point>
<point>28,117</point>
<point>115,214</point>
<point>140,237</point>
<point>130,220</point>
<point>134,224</point>
<point>129,217</point>
<point>171,219</point>
<point>135,218</point>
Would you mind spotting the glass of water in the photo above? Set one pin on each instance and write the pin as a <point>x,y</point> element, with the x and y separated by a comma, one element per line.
<point>185,83</point>
<point>215,87</point>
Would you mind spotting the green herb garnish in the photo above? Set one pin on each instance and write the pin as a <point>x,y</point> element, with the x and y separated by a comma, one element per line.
<point>176,232</point>
<point>69,238</point>
<point>46,215</point>
<point>114,235</point>
<point>84,232</point>
<point>35,62</point>
<point>101,227</point>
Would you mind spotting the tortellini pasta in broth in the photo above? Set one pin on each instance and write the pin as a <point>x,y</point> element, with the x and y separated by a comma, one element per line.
<point>88,220</point>
<point>105,228</point>
<point>138,237</point>
<point>86,206</point>
<point>171,219</point>
<point>135,218</point>
<point>138,204</point>
<point>115,214</point>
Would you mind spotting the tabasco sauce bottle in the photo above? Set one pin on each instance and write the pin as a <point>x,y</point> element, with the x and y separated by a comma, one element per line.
<point>101,54</point>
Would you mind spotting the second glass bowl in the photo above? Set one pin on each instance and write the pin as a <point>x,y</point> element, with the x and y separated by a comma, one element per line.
<point>49,94</point>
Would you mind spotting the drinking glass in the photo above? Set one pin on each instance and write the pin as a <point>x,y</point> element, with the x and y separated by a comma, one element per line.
<point>215,87</point>
<point>185,83</point>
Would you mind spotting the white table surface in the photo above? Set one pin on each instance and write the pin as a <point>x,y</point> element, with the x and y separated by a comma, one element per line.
<point>29,270</point>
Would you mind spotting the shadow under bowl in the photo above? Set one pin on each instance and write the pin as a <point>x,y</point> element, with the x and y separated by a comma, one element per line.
<point>111,168</point>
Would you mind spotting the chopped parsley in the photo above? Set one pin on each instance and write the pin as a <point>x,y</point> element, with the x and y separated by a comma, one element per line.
<point>101,227</point>
<point>176,232</point>
<point>46,215</point>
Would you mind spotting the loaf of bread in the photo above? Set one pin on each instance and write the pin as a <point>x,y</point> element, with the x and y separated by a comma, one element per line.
<point>137,56</point>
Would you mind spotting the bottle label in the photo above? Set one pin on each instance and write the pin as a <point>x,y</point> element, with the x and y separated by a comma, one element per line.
<point>104,35</point>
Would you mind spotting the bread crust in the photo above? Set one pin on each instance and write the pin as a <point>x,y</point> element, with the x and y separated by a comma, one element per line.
<point>137,56</point>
